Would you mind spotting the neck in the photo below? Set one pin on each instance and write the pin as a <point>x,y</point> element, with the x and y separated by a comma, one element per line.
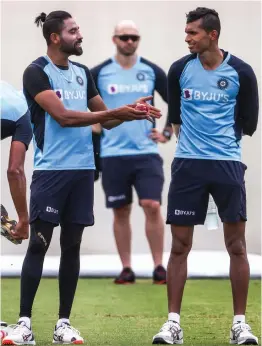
<point>57,57</point>
<point>126,61</point>
<point>212,58</point>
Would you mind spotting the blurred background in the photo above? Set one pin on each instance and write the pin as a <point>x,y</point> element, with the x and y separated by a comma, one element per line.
<point>161,25</point>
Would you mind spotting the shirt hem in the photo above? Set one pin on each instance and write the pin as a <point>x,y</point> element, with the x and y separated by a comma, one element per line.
<point>130,154</point>
<point>63,168</point>
<point>222,158</point>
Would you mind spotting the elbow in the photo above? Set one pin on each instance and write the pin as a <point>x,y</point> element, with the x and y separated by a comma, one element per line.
<point>14,173</point>
<point>107,126</point>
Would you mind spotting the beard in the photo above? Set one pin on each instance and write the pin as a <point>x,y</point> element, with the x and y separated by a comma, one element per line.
<point>127,51</point>
<point>71,49</point>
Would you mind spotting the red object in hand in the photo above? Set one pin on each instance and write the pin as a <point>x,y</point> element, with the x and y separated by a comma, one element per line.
<point>142,107</point>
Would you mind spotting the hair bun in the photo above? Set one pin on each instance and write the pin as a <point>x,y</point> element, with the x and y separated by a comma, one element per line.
<point>43,17</point>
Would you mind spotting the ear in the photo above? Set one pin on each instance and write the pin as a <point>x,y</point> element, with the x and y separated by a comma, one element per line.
<point>114,39</point>
<point>55,38</point>
<point>213,35</point>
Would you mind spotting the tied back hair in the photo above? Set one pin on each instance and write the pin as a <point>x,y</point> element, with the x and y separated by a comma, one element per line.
<point>39,20</point>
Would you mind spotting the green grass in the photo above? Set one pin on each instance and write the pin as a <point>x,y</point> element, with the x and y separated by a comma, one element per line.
<point>107,314</point>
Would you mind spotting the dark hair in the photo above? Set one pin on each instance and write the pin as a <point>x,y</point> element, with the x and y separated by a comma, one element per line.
<point>53,23</point>
<point>210,19</point>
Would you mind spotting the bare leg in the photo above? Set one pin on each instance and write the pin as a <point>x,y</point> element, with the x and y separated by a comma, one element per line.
<point>234,234</point>
<point>182,237</point>
<point>154,229</point>
<point>122,232</point>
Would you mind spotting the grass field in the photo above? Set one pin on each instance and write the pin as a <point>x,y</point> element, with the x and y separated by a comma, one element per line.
<point>107,314</point>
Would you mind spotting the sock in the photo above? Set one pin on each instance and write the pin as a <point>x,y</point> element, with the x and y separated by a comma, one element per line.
<point>173,316</point>
<point>61,321</point>
<point>26,320</point>
<point>239,319</point>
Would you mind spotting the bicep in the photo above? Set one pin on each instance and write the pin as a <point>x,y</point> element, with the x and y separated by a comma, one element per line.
<point>161,83</point>
<point>96,104</point>
<point>248,102</point>
<point>174,97</point>
<point>35,80</point>
<point>50,102</point>
<point>23,130</point>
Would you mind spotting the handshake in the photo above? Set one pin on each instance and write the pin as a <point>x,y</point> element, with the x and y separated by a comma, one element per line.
<point>138,111</point>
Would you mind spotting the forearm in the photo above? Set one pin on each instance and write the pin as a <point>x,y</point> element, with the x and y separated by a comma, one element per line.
<point>78,119</point>
<point>109,124</point>
<point>17,184</point>
<point>176,129</point>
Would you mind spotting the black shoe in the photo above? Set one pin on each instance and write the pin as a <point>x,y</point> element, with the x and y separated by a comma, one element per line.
<point>127,276</point>
<point>159,275</point>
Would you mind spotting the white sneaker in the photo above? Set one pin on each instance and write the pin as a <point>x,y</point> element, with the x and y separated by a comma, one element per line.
<point>19,334</point>
<point>66,334</point>
<point>240,334</point>
<point>170,333</point>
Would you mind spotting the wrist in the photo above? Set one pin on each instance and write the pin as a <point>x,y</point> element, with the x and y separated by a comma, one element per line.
<point>167,134</point>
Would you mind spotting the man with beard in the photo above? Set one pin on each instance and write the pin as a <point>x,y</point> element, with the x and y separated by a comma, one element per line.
<point>58,92</point>
<point>129,153</point>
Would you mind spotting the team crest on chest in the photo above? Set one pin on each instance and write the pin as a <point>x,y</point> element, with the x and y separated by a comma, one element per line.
<point>79,80</point>
<point>222,83</point>
<point>140,76</point>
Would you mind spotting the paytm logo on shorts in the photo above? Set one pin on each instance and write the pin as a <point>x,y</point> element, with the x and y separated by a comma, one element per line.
<point>126,88</point>
<point>184,212</point>
<point>191,94</point>
<point>70,95</point>
<point>51,210</point>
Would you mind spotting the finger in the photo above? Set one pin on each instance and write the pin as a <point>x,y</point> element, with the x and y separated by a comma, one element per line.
<point>146,98</point>
<point>154,130</point>
<point>150,119</point>
<point>153,108</point>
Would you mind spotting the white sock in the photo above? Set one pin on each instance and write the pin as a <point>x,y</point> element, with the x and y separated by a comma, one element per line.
<point>239,318</point>
<point>26,320</point>
<point>62,320</point>
<point>173,316</point>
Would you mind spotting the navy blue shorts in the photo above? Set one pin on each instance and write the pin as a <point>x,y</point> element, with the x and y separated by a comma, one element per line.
<point>63,196</point>
<point>192,182</point>
<point>121,173</point>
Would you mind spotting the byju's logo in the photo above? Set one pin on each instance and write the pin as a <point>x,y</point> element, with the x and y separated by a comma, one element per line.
<point>51,210</point>
<point>116,198</point>
<point>187,93</point>
<point>127,88</point>
<point>191,94</point>
<point>112,89</point>
<point>184,212</point>
<point>70,94</point>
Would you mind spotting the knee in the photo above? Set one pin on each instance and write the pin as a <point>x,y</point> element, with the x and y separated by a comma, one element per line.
<point>122,213</point>
<point>150,207</point>
<point>236,247</point>
<point>180,247</point>
<point>39,245</point>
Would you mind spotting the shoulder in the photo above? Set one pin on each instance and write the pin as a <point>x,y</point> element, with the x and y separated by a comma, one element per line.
<point>241,67</point>
<point>154,66</point>
<point>96,69</point>
<point>13,103</point>
<point>178,66</point>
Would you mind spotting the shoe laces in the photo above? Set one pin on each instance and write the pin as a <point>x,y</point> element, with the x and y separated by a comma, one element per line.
<point>238,328</point>
<point>17,328</point>
<point>170,326</point>
<point>66,328</point>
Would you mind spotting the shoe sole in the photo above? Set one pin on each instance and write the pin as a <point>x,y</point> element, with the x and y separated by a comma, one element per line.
<point>11,342</point>
<point>246,342</point>
<point>76,342</point>
<point>159,282</point>
<point>161,341</point>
